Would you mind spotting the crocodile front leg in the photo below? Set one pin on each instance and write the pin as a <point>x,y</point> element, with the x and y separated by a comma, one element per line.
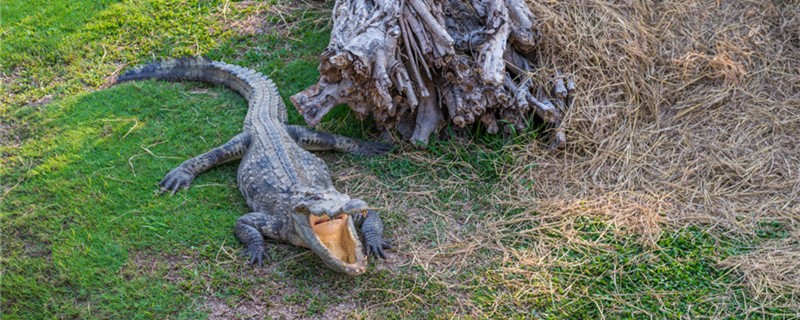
<point>183,175</point>
<point>372,232</point>
<point>251,229</point>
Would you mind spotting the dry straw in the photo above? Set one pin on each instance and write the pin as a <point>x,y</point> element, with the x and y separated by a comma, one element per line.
<point>690,114</point>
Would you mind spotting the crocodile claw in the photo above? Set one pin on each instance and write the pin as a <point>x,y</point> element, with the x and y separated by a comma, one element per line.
<point>371,148</point>
<point>256,256</point>
<point>375,248</point>
<point>178,178</point>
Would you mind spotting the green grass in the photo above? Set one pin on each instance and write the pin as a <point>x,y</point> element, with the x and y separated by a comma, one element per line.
<point>84,235</point>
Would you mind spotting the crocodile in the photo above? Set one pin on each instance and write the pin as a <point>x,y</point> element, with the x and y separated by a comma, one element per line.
<point>288,189</point>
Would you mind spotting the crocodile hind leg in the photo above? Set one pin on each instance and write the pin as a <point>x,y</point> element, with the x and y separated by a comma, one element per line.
<point>314,140</point>
<point>183,175</point>
<point>251,229</point>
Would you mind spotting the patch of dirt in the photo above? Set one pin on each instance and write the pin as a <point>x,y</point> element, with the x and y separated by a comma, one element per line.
<point>12,131</point>
<point>38,249</point>
<point>7,138</point>
<point>42,101</point>
<point>144,263</point>
<point>7,79</point>
<point>273,307</point>
<point>247,309</point>
<point>33,245</point>
<point>260,18</point>
<point>251,25</point>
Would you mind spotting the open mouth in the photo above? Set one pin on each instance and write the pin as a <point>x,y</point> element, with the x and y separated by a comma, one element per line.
<point>334,234</point>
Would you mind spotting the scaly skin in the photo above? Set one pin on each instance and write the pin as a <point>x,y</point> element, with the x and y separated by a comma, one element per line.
<point>288,189</point>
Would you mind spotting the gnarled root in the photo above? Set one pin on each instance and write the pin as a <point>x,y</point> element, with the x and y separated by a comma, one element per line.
<point>415,65</point>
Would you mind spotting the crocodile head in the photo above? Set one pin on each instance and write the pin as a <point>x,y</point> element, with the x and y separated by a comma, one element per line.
<point>326,224</point>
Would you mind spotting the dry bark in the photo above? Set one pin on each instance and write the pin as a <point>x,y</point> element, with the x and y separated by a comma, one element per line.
<point>417,65</point>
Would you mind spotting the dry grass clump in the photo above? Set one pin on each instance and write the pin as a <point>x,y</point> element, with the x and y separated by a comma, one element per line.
<point>772,272</point>
<point>259,18</point>
<point>689,111</point>
<point>635,213</point>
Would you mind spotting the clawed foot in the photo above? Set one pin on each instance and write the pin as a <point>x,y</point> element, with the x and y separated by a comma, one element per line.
<point>257,255</point>
<point>375,248</point>
<point>178,178</point>
<point>371,148</point>
<point>372,233</point>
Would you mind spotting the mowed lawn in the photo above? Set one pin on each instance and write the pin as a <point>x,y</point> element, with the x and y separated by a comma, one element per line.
<point>85,235</point>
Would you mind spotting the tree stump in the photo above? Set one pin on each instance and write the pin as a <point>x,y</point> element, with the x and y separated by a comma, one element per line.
<point>415,65</point>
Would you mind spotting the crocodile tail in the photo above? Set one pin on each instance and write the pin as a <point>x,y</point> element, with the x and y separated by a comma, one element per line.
<point>242,80</point>
<point>170,70</point>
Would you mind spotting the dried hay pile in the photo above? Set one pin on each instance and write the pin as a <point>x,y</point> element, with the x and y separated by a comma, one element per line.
<point>689,113</point>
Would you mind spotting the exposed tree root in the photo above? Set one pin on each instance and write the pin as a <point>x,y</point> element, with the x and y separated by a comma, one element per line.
<point>414,65</point>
